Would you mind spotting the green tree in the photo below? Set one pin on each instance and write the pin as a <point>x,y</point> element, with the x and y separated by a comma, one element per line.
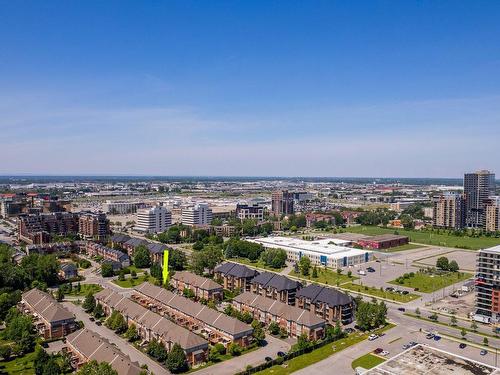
<point>453,266</point>
<point>473,326</point>
<point>94,368</point>
<point>177,260</point>
<point>19,329</point>
<point>315,272</point>
<point>107,270</point>
<point>142,259</point>
<point>417,311</point>
<point>59,294</point>
<point>258,332</point>
<point>234,349</point>
<point>453,320</point>
<point>98,311</point>
<point>302,343</point>
<point>89,303</point>
<point>41,358</point>
<point>176,360</point>
<point>305,265</point>
<point>156,350</point>
<point>132,334</point>
<point>463,332</point>
<point>485,341</point>
<point>442,263</point>
<point>274,328</point>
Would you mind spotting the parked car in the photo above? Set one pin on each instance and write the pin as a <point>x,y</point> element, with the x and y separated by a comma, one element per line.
<point>437,338</point>
<point>268,359</point>
<point>370,269</point>
<point>385,353</point>
<point>98,323</point>
<point>401,309</point>
<point>405,292</point>
<point>372,337</point>
<point>349,330</point>
<point>362,272</point>
<point>483,352</point>
<point>412,343</point>
<point>406,346</point>
<point>281,354</point>
<point>429,336</point>
<point>91,319</point>
<point>462,346</point>
<point>378,350</point>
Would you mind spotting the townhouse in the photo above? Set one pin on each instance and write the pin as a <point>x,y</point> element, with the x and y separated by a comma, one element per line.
<point>151,325</point>
<point>326,303</point>
<point>84,346</point>
<point>211,324</point>
<point>275,286</point>
<point>235,276</point>
<point>202,287</point>
<point>95,249</point>
<point>50,318</point>
<point>294,320</point>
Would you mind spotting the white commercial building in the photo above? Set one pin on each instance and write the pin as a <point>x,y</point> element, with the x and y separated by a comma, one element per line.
<point>153,220</point>
<point>329,252</point>
<point>122,208</point>
<point>200,214</point>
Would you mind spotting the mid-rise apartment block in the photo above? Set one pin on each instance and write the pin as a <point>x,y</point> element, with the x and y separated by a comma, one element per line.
<point>492,219</point>
<point>200,214</point>
<point>253,211</point>
<point>153,220</point>
<point>282,203</point>
<point>449,211</point>
<point>40,228</point>
<point>93,226</point>
<point>478,187</point>
<point>488,284</point>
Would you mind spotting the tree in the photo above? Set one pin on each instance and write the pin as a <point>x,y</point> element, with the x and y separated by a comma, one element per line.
<point>234,349</point>
<point>142,259</point>
<point>107,270</point>
<point>258,333</point>
<point>275,258</point>
<point>453,320</point>
<point>41,358</point>
<point>305,265</point>
<point>5,352</point>
<point>208,258</point>
<point>132,334</point>
<point>274,328</point>
<point>315,272</point>
<point>156,270</point>
<point>156,350</point>
<point>485,341</point>
<point>473,326</point>
<point>442,263</point>
<point>98,311</point>
<point>176,360</point>
<point>371,314</point>
<point>463,332</point>
<point>89,303</point>
<point>59,294</point>
<point>453,266</point>
<point>417,311</point>
<point>177,260</point>
<point>119,324</point>
<point>188,293</point>
<point>434,317</point>
<point>94,368</point>
<point>19,329</point>
<point>303,343</point>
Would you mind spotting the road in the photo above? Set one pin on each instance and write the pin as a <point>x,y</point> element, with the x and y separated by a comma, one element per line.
<point>123,345</point>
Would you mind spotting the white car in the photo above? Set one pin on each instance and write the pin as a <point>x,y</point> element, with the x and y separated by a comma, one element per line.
<point>385,353</point>
<point>372,337</point>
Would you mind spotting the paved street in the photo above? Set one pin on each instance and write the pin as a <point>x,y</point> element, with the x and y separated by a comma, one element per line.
<point>121,344</point>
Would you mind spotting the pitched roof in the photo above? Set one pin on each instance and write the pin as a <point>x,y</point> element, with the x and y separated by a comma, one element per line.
<point>120,238</point>
<point>154,247</point>
<point>46,306</point>
<point>236,270</point>
<point>95,347</point>
<point>280,309</point>
<point>196,280</point>
<point>274,280</point>
<point>330,296</point>
<point>68,267</point>
<point>134,242</point>
<point>196,310</point>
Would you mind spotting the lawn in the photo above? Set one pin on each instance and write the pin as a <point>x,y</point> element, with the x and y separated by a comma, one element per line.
<point>130,282</point>
<point>430,283</point>
<point>367,361</point>
<point>319,354</point>
<point>84,290</point>
<point>19,366</point>
<point>257,263</point>
<point>325,276</point>
<point>431,238</point>
<point>376,292</point>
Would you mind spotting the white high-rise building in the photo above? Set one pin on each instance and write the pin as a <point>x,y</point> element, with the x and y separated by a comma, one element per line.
<point>200,214</point>
<point>153,220</point>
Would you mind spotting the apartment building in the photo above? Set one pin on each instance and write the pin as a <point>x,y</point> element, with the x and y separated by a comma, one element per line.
<point>488,284</point>
<point>275,286</point>
<point>122,208</point>
<point>294,320</point>
<point>202,287</point>
<point>215,326</point>
<point>235,276</point>
<point>200,214</point>
<point>50,318</point>
<point>282,203</point>
<point>40,228</point>
<point>492,219</point>
<point>84,346</point>
<point>478,187</point>
<point>327,303</point>
<point>93,226</point>
<point>151,325</point>
<point>253,211</point>
<point>156,219</point>
<point>449,211</point>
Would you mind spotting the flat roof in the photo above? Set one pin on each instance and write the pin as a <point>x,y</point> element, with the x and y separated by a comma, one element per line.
<point>423,359</point>
<point>326,246</point>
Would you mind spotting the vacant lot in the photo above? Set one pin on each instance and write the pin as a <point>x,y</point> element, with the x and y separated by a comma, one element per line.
<point>258,264</point>
<point>428,283</point>
<point>431,238</point>
<point>326,276</point>
<point>376,292</point>
<point>367,361</point>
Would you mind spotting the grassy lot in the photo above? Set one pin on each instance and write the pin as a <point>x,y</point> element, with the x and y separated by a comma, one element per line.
<point>326,276</point>
<point>258,264</point>
<point>319,354</point>
<point>84,290</point>
<point>367,361</point>
<point>19,366</point>
<point>408,246</point>
<point>376,292</point>
<point>130,283</point>
<point>430,283</point>
<point>431,238</point>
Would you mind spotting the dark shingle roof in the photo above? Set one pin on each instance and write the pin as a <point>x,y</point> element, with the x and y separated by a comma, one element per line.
<point>273,280</point>
<point>236,270</point>
<point>120,238</point>
<point>330,296</point>
<point>156,247</point>
<point>134,242</point>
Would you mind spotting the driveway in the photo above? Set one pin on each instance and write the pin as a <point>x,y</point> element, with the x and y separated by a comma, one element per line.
<point>123,345</point>
<point>234,365</point>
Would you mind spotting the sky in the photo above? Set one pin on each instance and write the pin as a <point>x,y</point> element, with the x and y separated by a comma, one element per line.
<point>250,88</point>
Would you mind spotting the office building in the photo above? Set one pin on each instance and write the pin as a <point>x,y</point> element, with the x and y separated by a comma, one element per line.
<point>492,219</point>
<point>93,226</point>
<point>122,208</point>
<point>282,203</point>
<point>200,214</point>
<point>153,220</point>
<point>488,284</point>
<point>449,211</point>
<point>478,187</point>
<point>246,211</point>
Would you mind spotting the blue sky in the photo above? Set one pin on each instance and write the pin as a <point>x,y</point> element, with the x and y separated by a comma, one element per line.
<point>262,88</point>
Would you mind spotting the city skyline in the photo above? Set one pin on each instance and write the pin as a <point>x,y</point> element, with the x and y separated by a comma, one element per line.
<point>250,89</point>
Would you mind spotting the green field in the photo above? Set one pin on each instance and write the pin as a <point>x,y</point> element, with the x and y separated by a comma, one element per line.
<point>258,264</point>
<point>130,283</point>
<point>431,238</point>
<point>376,292</point>
<point>84,290</point>
<point>430,283</point>
<point>325,276</point>
<point>367,361</point>
<point>319,354</point>
<point>19,366</point>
